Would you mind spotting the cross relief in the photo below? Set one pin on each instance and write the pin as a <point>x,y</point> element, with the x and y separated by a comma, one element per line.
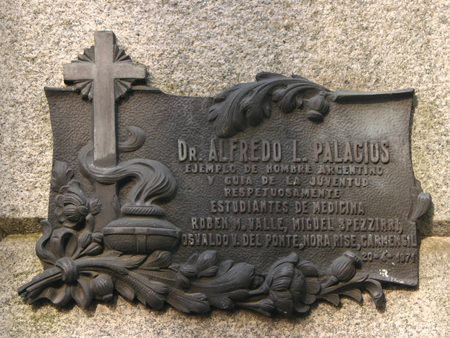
<point>103,74</point>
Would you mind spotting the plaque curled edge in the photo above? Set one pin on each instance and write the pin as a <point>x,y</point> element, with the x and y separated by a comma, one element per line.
<point>132,254</point>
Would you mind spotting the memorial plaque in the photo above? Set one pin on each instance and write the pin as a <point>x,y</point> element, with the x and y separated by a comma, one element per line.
<point>270,196</point>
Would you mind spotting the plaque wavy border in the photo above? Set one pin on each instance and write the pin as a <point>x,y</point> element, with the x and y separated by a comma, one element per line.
<point>83,264</point>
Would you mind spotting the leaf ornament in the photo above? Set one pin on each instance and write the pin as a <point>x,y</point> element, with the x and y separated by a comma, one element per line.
<point>250,103</point>
<point>80,268</point>
<point>421,202</point>
<point>346,281</point>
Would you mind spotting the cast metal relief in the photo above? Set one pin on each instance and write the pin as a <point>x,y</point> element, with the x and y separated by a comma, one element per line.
<point>111,226</point>
<point>249,103</point>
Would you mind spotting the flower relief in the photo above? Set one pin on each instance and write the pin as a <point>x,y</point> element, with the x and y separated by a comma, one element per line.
<point>133,254</point>
<point>78,267</point>
<point>73,208</point>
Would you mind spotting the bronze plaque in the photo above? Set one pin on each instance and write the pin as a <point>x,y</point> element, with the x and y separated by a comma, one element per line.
<point>269,196</point>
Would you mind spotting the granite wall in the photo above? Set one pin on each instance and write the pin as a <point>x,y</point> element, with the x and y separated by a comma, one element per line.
<point>200,48</point>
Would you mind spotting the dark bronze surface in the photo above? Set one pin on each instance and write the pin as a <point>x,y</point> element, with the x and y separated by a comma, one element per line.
<point>270,196</point>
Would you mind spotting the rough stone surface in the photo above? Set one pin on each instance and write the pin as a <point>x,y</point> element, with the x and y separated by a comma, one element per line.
<point>196,47</point>
<point>10,226</point>
<point>424,312</point>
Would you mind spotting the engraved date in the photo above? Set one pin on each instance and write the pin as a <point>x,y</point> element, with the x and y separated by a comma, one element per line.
<point>398,258</point>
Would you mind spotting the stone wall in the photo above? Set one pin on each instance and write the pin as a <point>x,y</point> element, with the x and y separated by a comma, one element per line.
<point>200,48</point>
